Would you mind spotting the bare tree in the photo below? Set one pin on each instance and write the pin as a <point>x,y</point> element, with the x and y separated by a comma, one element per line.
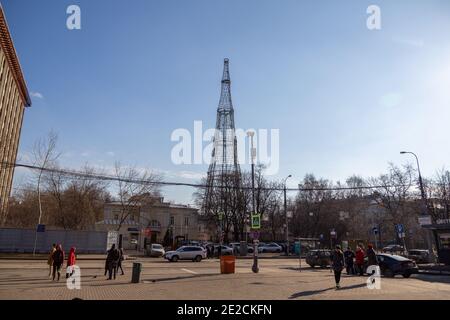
<point>135,188</point>
<point>44,155</point>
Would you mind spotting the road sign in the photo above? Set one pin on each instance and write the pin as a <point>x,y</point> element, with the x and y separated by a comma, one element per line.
<point>375,230</point>
<point>321,237</point>
<point>254,235</point>
<point>40,228</point>
<point>112,238</point>
<point>399,228</point>
<point>256,221</point>
<point>333,233</point>
<point>425,220</point>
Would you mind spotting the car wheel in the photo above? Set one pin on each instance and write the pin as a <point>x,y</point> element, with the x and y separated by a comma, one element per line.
<point>312,265</point>
<point>388,273</point>
<point>406,275</point>
<point>174,259</point>
<point>198,258</point>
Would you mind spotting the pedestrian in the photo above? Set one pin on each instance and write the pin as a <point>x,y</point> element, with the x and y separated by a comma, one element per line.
<point>122,258</point>
<point>337,264</point>
<point>371,256</point>
<point>349,256</point>
<point>112,261</point>
<point>58,261</point>
<point>71,260</point>
<point>359,259</point>
<point>208,251</point>
<point>212,251</point>
<point>50,259</point>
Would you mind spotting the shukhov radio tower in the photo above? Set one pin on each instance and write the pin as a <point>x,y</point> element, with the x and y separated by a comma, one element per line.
<point>224,168</point>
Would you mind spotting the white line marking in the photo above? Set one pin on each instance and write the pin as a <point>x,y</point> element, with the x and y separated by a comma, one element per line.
<point>190,271</point>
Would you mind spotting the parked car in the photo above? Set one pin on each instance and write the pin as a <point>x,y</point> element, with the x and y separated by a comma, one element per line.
<point>236,246</point>
<point>391,265</point>
<point>225,250</point>
<point>194,253</point>
<point>155,250</point>
<point>419,255</point>
<point>320,258</point>
<point>271,248</point>
<point>393,248</point>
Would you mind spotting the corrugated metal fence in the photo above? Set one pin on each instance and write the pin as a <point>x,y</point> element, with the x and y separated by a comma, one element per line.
<point>22,240</point>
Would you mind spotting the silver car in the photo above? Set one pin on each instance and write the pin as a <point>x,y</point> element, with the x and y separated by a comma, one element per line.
<point>155,250</point>
<point>271,247</point>
<point>194,253</point>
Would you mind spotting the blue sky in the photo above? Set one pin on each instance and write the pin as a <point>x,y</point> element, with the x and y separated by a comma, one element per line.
<point>346,99</point>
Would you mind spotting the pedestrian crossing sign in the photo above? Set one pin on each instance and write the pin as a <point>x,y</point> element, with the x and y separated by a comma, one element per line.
<point>256,221</point>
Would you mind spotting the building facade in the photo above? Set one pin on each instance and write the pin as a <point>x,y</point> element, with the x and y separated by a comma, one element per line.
<point>14,98</point>
<point>154,221</point>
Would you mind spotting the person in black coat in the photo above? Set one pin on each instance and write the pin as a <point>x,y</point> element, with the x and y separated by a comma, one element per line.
<point>112,260</point>
<point>349,255</point>
<point>337,264</point>
<point>371,256</point>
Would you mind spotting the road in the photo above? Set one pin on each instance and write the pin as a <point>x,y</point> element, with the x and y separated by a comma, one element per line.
<point>278,279</point>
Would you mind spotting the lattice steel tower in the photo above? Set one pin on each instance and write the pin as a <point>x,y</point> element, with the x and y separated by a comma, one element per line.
<point>224,163</point>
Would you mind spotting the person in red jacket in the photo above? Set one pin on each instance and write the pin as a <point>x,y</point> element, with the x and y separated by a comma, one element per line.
<point>71,259</point>
<point>359,259</point>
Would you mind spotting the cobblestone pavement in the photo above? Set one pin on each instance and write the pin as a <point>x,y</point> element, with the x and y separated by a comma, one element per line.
<point>277,279</point>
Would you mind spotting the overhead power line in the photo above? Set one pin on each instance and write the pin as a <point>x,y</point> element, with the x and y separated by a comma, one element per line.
<point>105,177</point>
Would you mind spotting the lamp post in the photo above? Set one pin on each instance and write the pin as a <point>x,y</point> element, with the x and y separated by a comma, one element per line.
<point>425,211</point>
<point>251,134</point>
<point>286,215</point>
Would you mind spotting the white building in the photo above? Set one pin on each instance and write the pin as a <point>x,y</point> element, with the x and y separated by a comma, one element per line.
<point>151,222</point>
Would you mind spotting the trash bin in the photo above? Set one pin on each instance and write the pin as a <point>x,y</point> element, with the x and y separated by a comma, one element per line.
<point>227,264</point>
<point>136,272</point>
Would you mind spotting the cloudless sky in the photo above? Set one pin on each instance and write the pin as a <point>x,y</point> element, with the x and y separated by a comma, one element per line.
<point>346,99</point>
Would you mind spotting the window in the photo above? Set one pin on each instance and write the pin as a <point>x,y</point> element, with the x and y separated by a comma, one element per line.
<point>172,221</point>
<point>132,217</point>
<point>116,217</point>
<point>186,221</point>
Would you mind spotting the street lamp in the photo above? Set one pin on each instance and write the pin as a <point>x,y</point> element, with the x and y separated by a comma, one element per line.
<point>424,200</point>
<point>251,134</point>
<point>286,215</point>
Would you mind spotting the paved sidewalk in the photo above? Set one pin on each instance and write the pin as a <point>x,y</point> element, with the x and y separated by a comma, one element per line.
<point>278,279</point>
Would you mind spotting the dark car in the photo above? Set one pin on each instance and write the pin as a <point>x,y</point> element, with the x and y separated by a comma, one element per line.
<point>393,248</point>
<point>419,255</point>
<point>391,265</point>
<point>320,258</point>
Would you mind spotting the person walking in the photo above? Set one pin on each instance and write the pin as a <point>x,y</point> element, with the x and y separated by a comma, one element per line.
<point>112,261</point>
<point>337,264</point>
<point>212,251</point>
<point>360,260</point>
<point>71,260</point>
<point>349,256</point>
<point>58,261</point>
<point>121,258</point>
<point>50,259</point>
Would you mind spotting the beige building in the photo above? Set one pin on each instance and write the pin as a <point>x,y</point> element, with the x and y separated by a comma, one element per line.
<point>151,222</point>
<point>14,98</point>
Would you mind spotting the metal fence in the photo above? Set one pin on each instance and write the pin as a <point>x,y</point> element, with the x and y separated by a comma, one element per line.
<point>22,240</point>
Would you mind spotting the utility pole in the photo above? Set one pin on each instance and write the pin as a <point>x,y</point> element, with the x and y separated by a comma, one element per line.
<point>286,215</point>
<point>255,268</point>
<point>424,205</point>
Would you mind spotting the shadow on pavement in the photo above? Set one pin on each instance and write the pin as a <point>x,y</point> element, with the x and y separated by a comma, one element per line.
<point>309,293</point>
<point>314,292</point>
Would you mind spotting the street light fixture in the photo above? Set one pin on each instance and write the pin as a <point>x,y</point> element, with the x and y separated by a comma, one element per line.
<point>286,215</point>
<point>425,211</point>
<point>251,134</point>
